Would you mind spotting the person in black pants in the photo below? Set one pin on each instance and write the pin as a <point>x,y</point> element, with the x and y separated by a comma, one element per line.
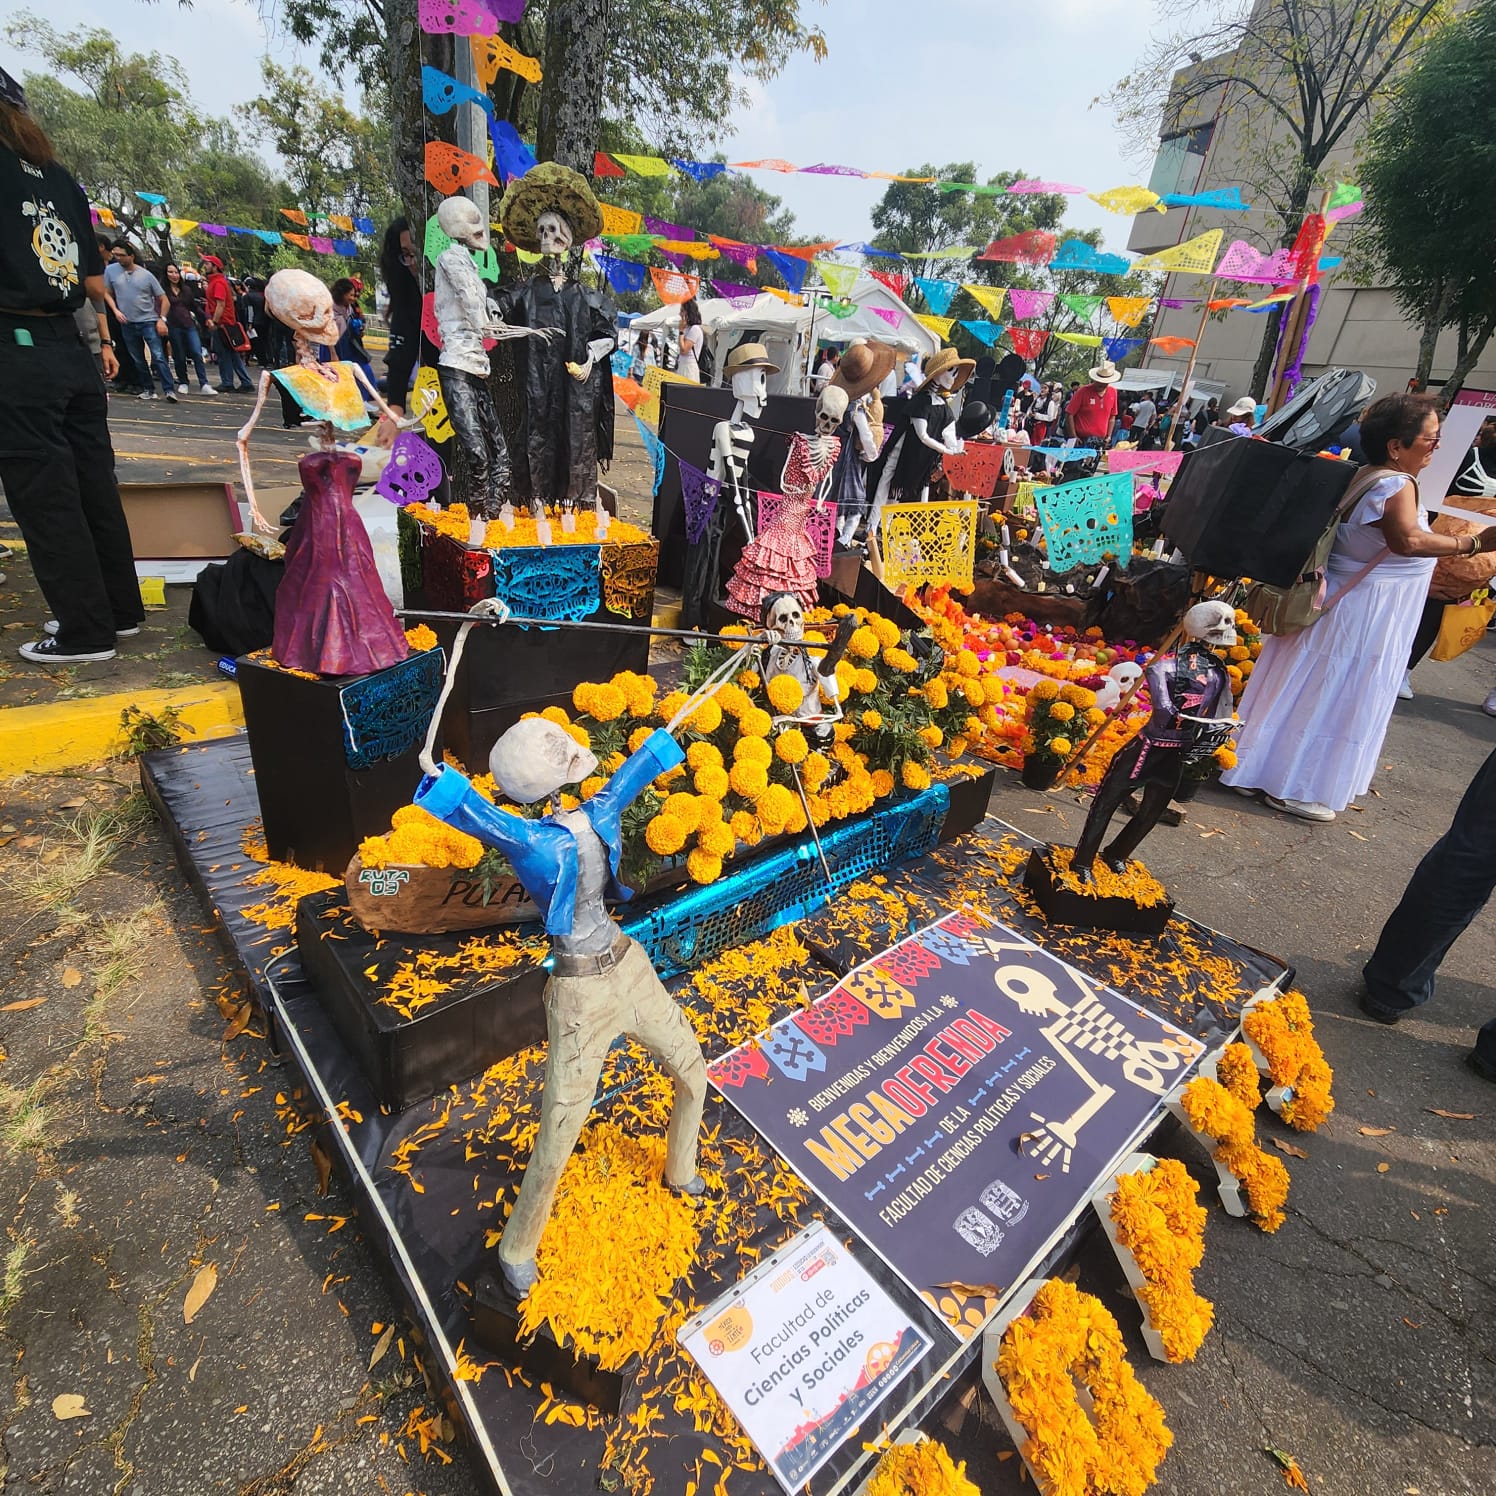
<point>56,459</point>
<point>1447,890</point>
<point>398,259</point>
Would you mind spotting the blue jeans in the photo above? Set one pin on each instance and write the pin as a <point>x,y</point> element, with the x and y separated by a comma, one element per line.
<point>138,337</point>
<point>1447,890</point>
<point>230,365</point>
<point>185,345</point>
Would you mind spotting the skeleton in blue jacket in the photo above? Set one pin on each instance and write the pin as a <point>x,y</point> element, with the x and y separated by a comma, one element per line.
<point>602,983</point>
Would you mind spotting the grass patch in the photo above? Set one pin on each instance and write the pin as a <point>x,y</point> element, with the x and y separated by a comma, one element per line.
<point>24,1128</point>
<point>120,946</point>
<point>13,1276</point>
<point>96,835</point>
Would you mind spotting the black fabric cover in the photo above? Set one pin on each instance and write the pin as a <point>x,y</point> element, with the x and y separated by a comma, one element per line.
<point>233,603</point>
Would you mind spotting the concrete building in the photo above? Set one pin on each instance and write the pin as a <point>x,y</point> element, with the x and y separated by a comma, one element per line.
<point>1359,325</point>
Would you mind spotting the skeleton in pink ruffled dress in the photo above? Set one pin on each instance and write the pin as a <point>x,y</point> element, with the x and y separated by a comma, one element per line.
<point>783,556</point>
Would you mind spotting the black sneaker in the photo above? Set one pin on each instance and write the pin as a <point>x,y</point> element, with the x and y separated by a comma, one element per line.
<point>1481,1065</point>
<point>47,651</point>
<point>51,626</point>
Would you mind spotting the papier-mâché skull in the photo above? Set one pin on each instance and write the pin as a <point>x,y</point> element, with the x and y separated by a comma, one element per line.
<point>782,613</point>
<point>553,233</point>
<point>304,304</point>
<point>461,220</point>
<point>1212,622</point>
<point>831,409</point>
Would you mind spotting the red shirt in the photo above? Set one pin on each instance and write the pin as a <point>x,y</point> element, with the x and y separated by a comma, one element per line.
<point>218,293</point>
<point>1093,409</point>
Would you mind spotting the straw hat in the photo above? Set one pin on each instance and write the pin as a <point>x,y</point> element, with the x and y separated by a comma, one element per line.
<point>1106,372</point>
<point>549,187</point>
<point>749,356</point>
<point>948,358</point>
<point>863,367</point>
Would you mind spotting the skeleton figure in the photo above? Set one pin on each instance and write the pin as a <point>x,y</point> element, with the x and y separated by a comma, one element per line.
<point>466,318</point>
<point>329,393</point>
<point>601,984</point>
<point>784,620</point>
<point>1192,712</point>
<point>1120,679</point>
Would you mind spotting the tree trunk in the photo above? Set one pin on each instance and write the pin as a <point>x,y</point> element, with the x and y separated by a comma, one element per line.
<point>1298,205</point>
<point>571,92</point>
<point>410,126</point>
<point>1471,348</point>
<point>1428,335</point>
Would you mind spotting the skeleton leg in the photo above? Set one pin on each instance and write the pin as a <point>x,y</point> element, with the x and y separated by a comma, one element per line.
<point>1114,788</point>
<point>1155,801</point>
<point>471,408</point>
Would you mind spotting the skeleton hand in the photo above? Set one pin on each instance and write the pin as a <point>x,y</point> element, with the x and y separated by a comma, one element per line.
<point>580,372</point>
<point>491,607</point>
<point>1047,1143</point>
<point>830,686</point>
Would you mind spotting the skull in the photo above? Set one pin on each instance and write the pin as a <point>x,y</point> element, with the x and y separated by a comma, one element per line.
<point>461,220</point>
<point>304,304</point>
<point>534,758</point>
<point>831,409</point>
<point>1212,622</point>
<point>553,233</point>
<point>782,613</point>
<point>1119,680</point>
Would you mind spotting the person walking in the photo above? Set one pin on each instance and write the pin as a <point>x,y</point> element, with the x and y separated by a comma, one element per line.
<point>229,342</point>
<point>181,328</point>
<point>56,461</point>
<point>398,259</point>
<point>140,304</point>
<point>1448,889</point>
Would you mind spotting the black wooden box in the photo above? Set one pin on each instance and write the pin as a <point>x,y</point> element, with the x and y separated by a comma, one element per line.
<point>1062,906</point>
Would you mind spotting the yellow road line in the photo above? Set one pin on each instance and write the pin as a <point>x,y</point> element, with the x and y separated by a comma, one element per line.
<point>66,734</point>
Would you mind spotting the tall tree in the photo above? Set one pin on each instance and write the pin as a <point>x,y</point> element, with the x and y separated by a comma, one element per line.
<point>1292,80</point>
<point>1430,221</point>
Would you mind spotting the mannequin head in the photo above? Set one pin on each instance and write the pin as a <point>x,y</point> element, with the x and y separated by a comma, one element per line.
<point>460,219</point>
<point>1211,623</point>
<point>534,758</point>
<point>304,304</point>
<point>748,368</point>
<point>553,233</point>
<point>831,410</point>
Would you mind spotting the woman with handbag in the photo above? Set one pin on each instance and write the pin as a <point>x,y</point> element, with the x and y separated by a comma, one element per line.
<point>1317,705</point>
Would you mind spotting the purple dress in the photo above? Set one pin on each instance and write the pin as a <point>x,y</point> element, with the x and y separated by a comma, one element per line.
<point>331,613</point>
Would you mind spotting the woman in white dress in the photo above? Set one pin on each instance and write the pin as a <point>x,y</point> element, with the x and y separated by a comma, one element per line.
<point>1317,705</point>
<point>688,362</point>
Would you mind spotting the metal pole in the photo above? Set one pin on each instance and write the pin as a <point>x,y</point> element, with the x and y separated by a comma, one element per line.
<point>592,626</point>
<point>1189,368</point>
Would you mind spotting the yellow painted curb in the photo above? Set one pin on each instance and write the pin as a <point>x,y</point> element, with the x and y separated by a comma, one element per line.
<point>65,734</point>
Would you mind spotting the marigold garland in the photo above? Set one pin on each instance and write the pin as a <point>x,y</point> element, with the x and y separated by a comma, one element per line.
<point>456,523</point>
<point>1237,1071</point>
<point>923,1468</point>
<point>1283,1030</point>
<point>1159,1220</point>
<point>1214,1112</point>
<point>1069,1337</point>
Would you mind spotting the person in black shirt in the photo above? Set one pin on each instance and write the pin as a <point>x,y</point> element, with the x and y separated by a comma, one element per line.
<point>56,459</point>
<point>398,259</point>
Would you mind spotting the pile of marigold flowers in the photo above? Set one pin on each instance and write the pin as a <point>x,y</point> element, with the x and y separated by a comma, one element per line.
<point>1283,1034</point>
<point>923,1468</point>
<point>1137,885</point>
<point>1158,1219</point>
<point>456,523</point>
<point>1218,1115</point>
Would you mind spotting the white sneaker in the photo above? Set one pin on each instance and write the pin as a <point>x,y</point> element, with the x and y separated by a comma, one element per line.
<point>51,627</point>
<point>1405,691</point>
<point>207,389</point>
<point>1305,810</point>
<point>1488,706</point>
<point>148,395</point>
<point>1242,789</point>
<point>183,390</point>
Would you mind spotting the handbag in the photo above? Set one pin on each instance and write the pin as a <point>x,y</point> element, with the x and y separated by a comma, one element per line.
<point>1462,626</point>
<point>1292,609</point>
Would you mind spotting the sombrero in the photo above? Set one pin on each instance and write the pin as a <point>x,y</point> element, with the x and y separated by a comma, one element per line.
<point>948,358</point>
<point>549,187</point>
<point>1106,372</point>
<point>863,367</point>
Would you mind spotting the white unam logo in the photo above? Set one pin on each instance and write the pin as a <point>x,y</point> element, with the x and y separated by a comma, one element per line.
<point>53,245</point>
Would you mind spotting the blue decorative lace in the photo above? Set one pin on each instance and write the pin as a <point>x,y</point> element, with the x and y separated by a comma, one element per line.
<point>387,713</point>
<point>549,581</point>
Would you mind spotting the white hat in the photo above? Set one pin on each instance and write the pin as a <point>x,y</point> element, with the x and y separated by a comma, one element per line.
<point>1106,372</point>
<point>1246,406</point>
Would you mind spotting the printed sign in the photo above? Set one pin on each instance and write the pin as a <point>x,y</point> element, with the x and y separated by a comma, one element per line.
<point>957,1099</point>
<point>802,1351</point>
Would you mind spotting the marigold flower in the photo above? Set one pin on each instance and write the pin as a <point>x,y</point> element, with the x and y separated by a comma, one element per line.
<point>932,735</point>
<point>557,715</point>
<point>900,660</point>
<point>707,718</point>
<point>884,629</point>
<point>791,747</point>
<point>638,737</point>
<point>755,723</point>
<point>785,694</point>
<point>591,785</point>
<point>703,755</point>
<point>748,680</point>
<point>865,682</point>
<point>420,638</point>
<point>915,776</point>
<point>774,807</point>
<point>684,808</point>
<point>872,720</point>
<point>863,644</point>
<point>1044,690</point>
<point>717,839</point>
<point>752,751</point>
<point>814,770</point>
<point>936,694</point>
<point>1061,711</point>
<point>711,781</point>
<point>1060,747</point>
<point>665,835</point>
<point>883,783</point>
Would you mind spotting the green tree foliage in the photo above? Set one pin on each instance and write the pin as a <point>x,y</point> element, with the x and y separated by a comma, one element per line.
<point>1430,220</point>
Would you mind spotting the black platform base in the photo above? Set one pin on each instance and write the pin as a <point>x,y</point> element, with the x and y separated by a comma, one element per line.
<point>496,1327</point>
<point>1063,906</point>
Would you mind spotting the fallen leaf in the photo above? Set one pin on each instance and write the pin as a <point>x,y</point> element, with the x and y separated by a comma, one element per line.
<point>1411,1324</point>
<point>77,804</point>
<point>241,1022</point>
<point>20,1007</point>
<point>69,1405</point>
<point>1358,837</point>
<point>1283,1146</point>
<point>203,1283</point>
<point>1290,1467</point>
<point>71,976</point>
<point>1206,835</point>
<point>323,1165</point>
<point>383,1344</point>
<point>1439,1111</point>
<point>1041,1176</point>
<point>1376,1132</point>
<point>1382,1168</point>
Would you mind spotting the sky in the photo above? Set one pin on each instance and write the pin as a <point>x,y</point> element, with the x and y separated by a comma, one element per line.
<point>901,85</point>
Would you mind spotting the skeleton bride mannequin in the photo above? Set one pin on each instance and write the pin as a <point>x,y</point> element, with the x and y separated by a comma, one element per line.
<point>782,558</point>
<point>922,432</point>
<point>566,383</point>
<point>747,369</point>
<point>332,617</point>
<point>466,319</point>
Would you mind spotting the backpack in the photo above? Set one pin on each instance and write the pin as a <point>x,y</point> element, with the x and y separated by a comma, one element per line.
<point>707,363</point>
<point>1291,609</point>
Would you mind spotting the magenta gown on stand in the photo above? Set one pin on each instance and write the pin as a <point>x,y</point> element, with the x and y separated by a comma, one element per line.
<point>331,613</point>
<point>783,557</point>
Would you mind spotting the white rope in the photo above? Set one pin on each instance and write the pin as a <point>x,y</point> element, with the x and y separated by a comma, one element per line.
<point>714,682</point>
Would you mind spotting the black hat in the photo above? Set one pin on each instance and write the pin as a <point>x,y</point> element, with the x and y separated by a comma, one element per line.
<point>974,419</point>
<point>11,92</point>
